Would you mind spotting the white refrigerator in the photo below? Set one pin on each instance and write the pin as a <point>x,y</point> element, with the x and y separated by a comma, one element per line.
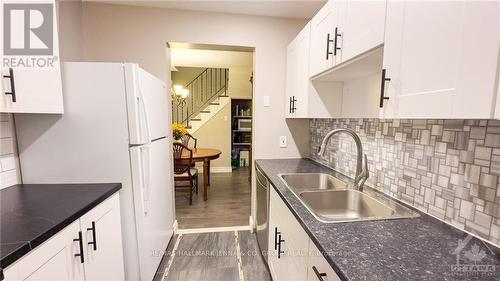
<point>116,128</point>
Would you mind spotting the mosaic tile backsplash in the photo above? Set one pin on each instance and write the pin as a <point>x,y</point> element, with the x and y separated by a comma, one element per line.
<point>446,168</point>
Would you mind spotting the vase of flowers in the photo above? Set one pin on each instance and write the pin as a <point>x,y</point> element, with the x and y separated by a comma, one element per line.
<point>178,130</point>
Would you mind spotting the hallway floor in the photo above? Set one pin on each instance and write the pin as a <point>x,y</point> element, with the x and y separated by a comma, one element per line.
<point>228,202</point>
<point>231,255</point>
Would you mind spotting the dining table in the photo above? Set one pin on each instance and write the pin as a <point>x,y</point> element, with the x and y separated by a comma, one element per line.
<point>204,155</point>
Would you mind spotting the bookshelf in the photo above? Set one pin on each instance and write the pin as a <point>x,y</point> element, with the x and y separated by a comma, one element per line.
<point>241,135</point>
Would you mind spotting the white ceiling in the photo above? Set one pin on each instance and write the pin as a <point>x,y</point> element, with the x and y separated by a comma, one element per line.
<point>300,9</point>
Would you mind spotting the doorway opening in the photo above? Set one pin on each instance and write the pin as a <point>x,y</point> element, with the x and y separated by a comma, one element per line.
<point>212,102</point>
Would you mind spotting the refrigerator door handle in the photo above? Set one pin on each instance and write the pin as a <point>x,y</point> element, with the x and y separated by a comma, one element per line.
<point>146,176</point>
<point>144,120</point>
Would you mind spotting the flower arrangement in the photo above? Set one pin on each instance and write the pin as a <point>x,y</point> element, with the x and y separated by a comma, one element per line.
<point>178,130</point>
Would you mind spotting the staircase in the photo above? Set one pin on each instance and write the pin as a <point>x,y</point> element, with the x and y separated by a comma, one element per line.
<point>207,96</point>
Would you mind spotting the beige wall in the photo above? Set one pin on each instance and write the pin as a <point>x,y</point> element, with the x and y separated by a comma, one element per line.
<point>70,25</point>
<point>138,34</point>
<point>216,133</point>
<point>239,82</point>
<point>184,75</point>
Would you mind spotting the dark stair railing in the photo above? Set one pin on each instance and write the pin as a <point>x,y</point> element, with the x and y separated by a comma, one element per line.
<point>204,89</point>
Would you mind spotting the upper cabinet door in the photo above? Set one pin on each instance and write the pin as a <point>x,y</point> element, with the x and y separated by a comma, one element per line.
<point>291,78</point>
<point>441,58</point>
<point>322,39</point>
<point>33,89</point>
<point>297,83</point>
<point>363,28</point>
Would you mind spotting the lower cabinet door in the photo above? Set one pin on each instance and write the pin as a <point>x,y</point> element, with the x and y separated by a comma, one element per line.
<point>103,242</point>
<point>55,259</point>
<point>318,269</point>
<point>289,260</point>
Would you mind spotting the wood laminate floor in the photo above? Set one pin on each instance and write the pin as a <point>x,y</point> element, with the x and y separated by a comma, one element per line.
<point>231,255</point>
<point>228,202</point>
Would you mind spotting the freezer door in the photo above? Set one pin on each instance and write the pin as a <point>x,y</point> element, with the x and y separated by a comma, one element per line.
<point>153,199</point>
<point>157,99</point>
<point>148,105</point>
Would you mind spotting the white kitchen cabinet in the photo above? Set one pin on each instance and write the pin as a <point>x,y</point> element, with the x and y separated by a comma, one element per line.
<point>70,254</point>
<point>288,242</point>
<point>322,37</point>
<point>103,248</point>
<point>364,23</point>
<point>342,30</point>
<point>53,260</point>
<point>303,98</point>
<point>33,90</point>
<point>441,59</point>
<point>317,266</point>
<point>298,253</point>
<point>297,75</point>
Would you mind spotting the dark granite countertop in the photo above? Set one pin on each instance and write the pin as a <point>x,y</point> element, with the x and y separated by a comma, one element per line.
<point>32,213</point>
<point>420,248</point>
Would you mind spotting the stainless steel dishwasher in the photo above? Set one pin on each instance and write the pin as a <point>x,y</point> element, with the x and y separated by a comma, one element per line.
<point>262,211</point>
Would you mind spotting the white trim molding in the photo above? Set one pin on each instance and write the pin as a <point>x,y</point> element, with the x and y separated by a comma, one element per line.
<point>176,227</point>
<point>216,169</point>
<point>213,229</point>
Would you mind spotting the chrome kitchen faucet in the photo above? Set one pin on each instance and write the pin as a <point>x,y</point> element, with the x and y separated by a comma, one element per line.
<point>362,172</point>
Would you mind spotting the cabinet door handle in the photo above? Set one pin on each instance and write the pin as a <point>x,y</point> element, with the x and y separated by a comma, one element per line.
<point>293,104</point>
<point>279,246</point>
<point>80,242</point>
<point>12,92</point>
<point>94,240</point>
<point>290,105</point>
<point>382,88</point>
<point>337,35</point>
<point>328,41</point>
<point>320,275</point>
<point>276,233</point>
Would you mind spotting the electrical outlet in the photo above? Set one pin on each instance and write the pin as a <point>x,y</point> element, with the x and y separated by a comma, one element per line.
<point>282,141</point>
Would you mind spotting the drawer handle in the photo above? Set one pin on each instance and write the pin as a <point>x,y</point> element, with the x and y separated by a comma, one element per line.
<point>382,88</point>
<point>94,240</point>
<point>12,86</point>
<point>279,247</point>
<point>80,242</point>
<point>320,275</point>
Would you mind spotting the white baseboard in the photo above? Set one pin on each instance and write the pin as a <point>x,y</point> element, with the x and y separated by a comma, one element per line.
<point>251,223</point>
<point>176,227</point>
<point>216,169</point>
<point>213,229</point>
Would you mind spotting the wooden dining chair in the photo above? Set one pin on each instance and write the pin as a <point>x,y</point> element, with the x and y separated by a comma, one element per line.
<point>185,176</point>
<point>186,139</point>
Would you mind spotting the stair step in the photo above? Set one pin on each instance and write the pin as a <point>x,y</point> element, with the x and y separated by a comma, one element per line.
<point>195,119</point>
<point>204,111</point>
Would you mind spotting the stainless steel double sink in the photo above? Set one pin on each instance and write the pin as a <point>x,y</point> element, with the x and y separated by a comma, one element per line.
<point>332,200</point>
